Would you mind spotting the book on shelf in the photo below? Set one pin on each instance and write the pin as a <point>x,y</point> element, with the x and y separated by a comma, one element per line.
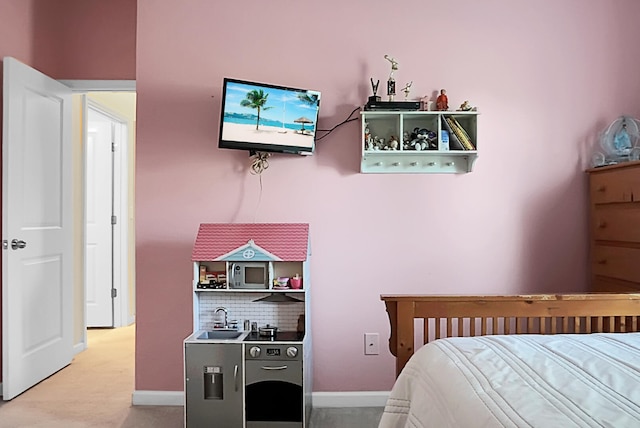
<point>466,135</point>
<point>460,132</point>
<point>454,142</point>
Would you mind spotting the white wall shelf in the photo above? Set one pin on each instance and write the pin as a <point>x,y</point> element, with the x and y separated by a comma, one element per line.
<point>405,159</point>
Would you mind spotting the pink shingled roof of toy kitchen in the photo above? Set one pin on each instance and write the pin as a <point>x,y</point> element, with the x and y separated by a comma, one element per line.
<point>288,241</point>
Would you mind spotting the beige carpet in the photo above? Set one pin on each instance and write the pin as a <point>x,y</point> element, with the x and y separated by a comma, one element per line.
<point>93,391</point>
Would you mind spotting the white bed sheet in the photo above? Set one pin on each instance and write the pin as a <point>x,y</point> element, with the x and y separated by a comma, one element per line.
<point>581,380</point>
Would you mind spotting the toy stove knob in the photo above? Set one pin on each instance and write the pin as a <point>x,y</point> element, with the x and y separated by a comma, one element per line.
<point>292,352</point>
<point>254,351</point>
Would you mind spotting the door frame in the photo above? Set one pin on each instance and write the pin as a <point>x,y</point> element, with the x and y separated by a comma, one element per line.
<point>120,208</point>
<point>82,87</point>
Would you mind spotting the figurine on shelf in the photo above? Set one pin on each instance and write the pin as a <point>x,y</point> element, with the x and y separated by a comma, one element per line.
<point>465,106</point>
<point>393,143</point>
<point>368,139</point>
<point>442,102</point>
<point>406,89</point>
<point>394,65</point>
<point>376,143</point>
<point>424,103</point>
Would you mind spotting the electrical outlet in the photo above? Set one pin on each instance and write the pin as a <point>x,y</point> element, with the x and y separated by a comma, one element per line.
<point>371,344</point>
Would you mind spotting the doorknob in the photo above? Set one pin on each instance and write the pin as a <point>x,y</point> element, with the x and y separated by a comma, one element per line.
<point>17,244</point>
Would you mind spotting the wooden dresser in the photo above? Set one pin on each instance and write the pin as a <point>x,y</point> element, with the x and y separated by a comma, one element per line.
<point>615,227</point>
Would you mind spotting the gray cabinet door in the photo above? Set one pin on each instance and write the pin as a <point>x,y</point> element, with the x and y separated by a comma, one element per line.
<point>213,385</point>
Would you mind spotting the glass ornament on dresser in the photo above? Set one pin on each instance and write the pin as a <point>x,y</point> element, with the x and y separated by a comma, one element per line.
<point>619,139</point>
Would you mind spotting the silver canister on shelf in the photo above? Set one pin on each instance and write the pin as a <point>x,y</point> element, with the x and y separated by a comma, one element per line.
<point>247,325</point>
<point>254,327</point>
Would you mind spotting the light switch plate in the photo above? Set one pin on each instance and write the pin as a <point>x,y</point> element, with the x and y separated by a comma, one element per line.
<point>371,344</point>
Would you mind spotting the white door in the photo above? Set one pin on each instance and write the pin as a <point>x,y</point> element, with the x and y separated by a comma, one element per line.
<point>99,210</point>
<point>37,254</point>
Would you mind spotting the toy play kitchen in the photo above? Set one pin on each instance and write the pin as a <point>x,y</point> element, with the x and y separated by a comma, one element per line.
<point>250,349</point>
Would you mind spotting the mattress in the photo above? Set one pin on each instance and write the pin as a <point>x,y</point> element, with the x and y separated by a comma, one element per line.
<point>581,380</point>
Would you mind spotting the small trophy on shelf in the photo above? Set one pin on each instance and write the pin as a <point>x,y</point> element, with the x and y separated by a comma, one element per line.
<point>391,82</point>
<point>373,99</point>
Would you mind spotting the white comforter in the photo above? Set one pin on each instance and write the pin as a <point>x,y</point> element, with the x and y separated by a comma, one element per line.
<point>588,380</point>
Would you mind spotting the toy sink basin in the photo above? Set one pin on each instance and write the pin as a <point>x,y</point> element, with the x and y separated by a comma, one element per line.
<point>219,334</point>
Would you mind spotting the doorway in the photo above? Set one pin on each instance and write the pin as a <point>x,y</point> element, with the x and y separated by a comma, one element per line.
<point>108,141</point>
<point>54,107</point>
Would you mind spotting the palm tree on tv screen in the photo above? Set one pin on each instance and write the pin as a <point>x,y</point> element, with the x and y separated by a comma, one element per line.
<point>311,99</point>
<point>256,99</point>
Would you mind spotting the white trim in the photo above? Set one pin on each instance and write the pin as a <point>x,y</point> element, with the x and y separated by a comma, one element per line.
<point>79,347</point>
<point>84,123</point>
<point>318,399</point>
<point>350,399</point>
<point>99,85</point>
<point>157,398</point>
<point>121,182</point>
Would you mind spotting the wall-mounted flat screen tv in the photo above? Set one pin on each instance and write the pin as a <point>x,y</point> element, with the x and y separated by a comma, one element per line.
<point>261,117</point>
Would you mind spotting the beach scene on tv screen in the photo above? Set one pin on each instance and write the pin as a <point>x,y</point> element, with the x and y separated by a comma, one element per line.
<point>261,114</point>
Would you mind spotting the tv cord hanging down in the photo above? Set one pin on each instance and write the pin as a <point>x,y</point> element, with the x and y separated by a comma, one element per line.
<point>348,119</point>
<point>259,162</point>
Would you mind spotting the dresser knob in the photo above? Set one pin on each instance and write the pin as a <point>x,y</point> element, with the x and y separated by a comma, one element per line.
<point>602,224</point>
<point>602,262</point>
<point>601,188</point>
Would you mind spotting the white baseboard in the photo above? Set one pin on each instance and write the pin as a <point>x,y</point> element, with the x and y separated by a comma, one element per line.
<point>350,399</point>
<point>79,347</point>
<point>157,398</point>
<point>318,399</point>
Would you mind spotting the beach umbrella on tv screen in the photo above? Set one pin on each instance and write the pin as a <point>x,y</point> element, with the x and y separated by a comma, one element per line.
<point>303,120</point>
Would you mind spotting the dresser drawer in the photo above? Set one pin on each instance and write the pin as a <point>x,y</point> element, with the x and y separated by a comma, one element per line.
<point>616,262</point>
<point>616,223</point>
<point>616,185</point>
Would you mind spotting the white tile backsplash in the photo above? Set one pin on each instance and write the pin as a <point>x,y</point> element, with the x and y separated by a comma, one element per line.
<point>242,307</point>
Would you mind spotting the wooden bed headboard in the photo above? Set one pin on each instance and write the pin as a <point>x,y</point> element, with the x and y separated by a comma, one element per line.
<point>417,319</point>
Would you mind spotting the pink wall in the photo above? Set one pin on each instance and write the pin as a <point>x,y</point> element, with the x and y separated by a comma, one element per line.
<point>547,76</point>
<point>86,39</point>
